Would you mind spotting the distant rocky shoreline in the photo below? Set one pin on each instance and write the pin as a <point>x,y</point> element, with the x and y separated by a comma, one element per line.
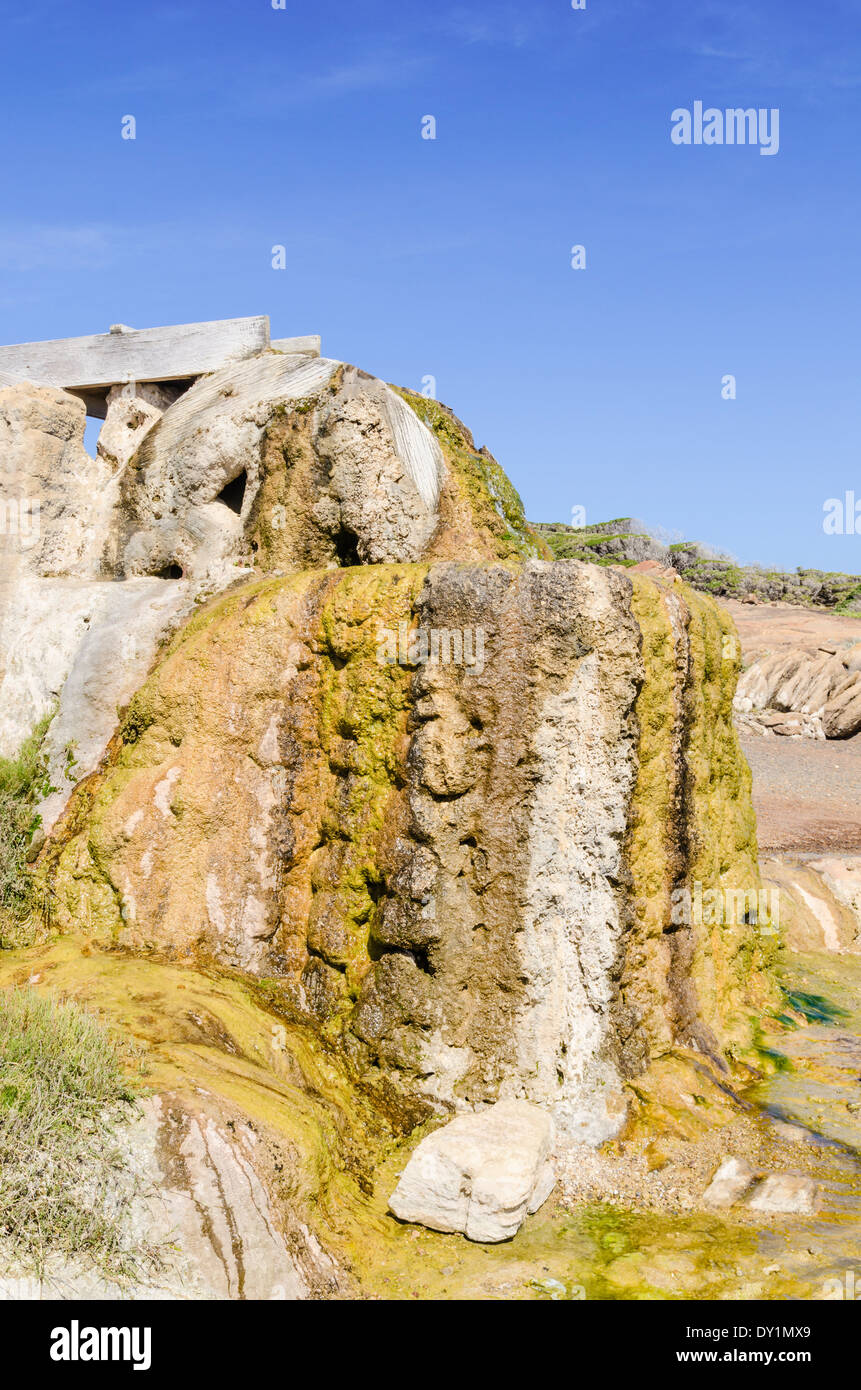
<point>627,541</point>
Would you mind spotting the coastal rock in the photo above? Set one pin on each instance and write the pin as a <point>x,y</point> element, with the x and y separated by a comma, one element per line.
<point>841,717</point>
<point>278,462</point>
<point>818,902</point>
<point>800,694</point>
<point>435,821</point>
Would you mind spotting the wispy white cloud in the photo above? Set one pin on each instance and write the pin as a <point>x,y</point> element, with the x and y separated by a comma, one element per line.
<point>42,246</point>
<point>508,25</point>
<point>707,50</point>
<point>749,43</point>
<point>37,247</point>
<point>268,86</point>
<point>390,68</point>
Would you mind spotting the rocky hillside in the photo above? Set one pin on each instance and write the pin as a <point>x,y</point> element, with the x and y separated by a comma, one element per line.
<point>628,542</point>
<point>324,718</point>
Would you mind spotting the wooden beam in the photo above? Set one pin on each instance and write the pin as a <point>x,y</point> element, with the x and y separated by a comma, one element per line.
<point>309,346</point>
<point>11,379</point>
<point>127,354</point>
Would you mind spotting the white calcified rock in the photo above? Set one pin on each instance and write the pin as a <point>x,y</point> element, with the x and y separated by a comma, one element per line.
<point>132,410</point>
<point>147,510</point>
<point>380,476</point>
<point>586,771</point>
<point>819,901</point>
<point>481,1174</point>
<point>192,1193</point>
<point>785,1193</point>
<point>729,1184</point>
<point>55,500</point>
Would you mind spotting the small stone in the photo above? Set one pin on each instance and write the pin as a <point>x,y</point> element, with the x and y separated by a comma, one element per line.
<point>729,1183</point>
<point>785,1193</point>
<point>481,1174</point>
<point>794,1134</point>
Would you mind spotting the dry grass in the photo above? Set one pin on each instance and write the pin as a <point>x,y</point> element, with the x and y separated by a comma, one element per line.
<point>23,783</point>
<point>65,1184</point>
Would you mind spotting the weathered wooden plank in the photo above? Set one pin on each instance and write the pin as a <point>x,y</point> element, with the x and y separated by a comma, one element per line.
<point>311,345</point>
<point>10,379</point>
<point>126,354</point>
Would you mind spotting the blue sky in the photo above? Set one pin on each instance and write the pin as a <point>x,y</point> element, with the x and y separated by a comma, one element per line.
<point>599,387</point>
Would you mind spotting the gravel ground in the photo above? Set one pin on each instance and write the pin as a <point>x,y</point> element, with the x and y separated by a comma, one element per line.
<point>770,627</point>
<point>807,794</point>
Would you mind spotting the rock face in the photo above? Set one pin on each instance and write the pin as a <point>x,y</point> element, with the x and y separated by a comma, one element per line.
<point>279,462</point>
<point>819,902</point>
<point>56,499</point>
<point>453,810</point>
<point>198,1206</point>
<point>802,693</point>
<point>481,1174</point>
<point>456,799</point>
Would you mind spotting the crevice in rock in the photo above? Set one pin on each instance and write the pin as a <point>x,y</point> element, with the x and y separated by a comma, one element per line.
<point>346,547</point>
<point>92,430</point>
<point>233,493</point>
<point>690,1029</point>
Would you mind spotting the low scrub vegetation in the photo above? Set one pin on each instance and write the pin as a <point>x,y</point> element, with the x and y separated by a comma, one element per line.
<point>65,1182</point>
<point>23,783</point>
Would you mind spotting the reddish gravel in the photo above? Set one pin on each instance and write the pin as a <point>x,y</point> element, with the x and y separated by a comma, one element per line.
<point>807,794</point>
<point>770,627</point>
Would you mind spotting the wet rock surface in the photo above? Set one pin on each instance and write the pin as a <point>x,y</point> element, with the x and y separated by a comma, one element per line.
<point>384,815</point>
<point>440,859</point>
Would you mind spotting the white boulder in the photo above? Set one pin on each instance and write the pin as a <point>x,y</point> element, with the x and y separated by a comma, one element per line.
<point>481,1174</point>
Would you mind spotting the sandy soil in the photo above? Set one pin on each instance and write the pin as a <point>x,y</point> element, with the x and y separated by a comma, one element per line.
<point>768,627</point>
<point>807,794</point>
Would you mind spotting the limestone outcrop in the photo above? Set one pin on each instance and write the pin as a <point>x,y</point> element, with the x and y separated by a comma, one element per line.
<point>819,901</point>
<point>194,1201</point>
<point>455,811</point>
<point>800,693</point>
<point>279,462</point>
<point>328,718</point>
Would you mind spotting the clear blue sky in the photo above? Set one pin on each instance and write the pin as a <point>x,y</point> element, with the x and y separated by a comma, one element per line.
<point>451,257</point>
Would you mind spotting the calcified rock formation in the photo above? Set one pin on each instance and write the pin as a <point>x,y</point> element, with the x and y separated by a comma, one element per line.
<point>443,792</point>
<point>280,461</point>
<point>464,874</point>
<point>819,902</point>
<point>801,693</point>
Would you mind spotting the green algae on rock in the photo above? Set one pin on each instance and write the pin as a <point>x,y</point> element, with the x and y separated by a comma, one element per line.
<point>422,851</point>
<point>480,508</point>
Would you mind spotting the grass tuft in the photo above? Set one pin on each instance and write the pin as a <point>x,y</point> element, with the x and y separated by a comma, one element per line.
<point>23,784</point>
<point>65,1184</point>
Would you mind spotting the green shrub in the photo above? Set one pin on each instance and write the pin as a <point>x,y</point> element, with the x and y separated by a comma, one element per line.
<point>64,1181</point>
<point>23,783</point>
